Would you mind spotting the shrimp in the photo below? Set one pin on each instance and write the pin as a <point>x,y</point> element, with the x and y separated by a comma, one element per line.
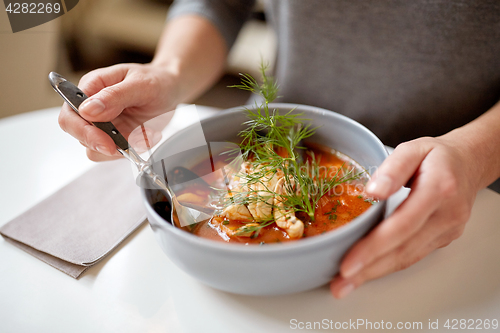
<point>285,218</point>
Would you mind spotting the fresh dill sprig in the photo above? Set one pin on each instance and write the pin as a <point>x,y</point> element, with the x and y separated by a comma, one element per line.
<point>268,89</point>
<point>271,143</point>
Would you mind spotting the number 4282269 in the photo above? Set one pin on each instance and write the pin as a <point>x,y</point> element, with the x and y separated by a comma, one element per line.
<point>455,324</point>
<point>33,8</point>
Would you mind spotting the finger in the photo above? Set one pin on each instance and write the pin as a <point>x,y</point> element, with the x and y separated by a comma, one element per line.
<point>407,220</point>
<point>96,80</point>
<point>90,136</point>
<point>397,260</point>
<point>433,236</point>
<point>98,157</point>
<point>110,101</point>
<point>397,169</point>
<point>451,235</point>
<point>341,287</point>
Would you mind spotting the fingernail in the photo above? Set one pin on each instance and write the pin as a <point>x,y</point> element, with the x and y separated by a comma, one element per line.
<point>381,186</point>
<point>352,270</point>
<point>92,107</point>
<point>346,290</point>
<point>103,150</point>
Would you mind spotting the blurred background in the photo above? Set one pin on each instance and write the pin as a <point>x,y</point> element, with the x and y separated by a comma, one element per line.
<point>99,33</point>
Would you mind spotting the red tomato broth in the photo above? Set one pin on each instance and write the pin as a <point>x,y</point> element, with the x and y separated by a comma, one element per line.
<point>336,208</point>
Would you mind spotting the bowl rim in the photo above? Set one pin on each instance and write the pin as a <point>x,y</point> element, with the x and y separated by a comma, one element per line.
<point>309,243</point>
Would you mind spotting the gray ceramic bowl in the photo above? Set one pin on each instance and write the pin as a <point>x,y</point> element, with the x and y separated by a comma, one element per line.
<point>273,268</point>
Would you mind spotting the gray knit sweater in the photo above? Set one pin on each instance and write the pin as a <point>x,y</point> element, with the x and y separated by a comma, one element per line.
<point>402,68</point>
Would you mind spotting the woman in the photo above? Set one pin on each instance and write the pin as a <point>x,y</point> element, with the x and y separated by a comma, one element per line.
<point>405,69</point>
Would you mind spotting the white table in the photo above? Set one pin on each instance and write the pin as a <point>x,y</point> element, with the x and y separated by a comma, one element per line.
<point>138,289</point>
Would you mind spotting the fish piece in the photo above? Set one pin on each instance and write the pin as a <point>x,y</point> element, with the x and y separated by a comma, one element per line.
<point>261,202</point>
<point>237,212</point>
<point>261,194</point>
<point>239,183</point>
<point>285,218</point>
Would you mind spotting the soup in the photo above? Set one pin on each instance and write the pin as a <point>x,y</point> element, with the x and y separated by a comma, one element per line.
<point>280,189</point>
<point>335,208</point>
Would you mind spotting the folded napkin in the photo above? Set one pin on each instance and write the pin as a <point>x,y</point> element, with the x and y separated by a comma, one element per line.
<point>83,222</point>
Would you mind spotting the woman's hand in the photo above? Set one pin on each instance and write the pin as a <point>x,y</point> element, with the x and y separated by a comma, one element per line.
<point>190,57</point>
<point>126,94</point>
<point>444,181</point>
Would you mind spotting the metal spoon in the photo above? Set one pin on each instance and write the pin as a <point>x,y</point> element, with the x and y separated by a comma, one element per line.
<point>187,214</point>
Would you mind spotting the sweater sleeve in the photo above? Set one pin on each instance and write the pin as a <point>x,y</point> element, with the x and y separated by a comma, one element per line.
<point>227,15</point>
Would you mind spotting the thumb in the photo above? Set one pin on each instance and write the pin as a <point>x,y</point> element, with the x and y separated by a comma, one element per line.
<point>397,169</point>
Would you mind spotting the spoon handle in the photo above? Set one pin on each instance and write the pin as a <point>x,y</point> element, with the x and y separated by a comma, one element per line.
<point>75,97</point>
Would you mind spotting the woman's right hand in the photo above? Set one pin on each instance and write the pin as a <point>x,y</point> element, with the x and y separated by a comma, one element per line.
<point>126,94</point>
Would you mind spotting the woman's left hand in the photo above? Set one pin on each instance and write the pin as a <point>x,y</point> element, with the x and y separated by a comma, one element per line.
<point>443,180</point>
